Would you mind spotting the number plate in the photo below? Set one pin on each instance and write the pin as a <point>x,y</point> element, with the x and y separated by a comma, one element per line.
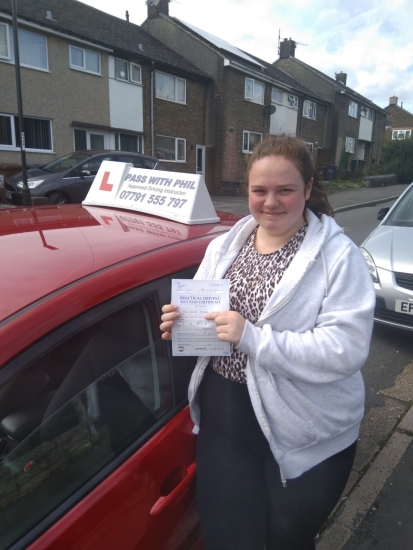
<point>404,307</point>
<point>8,194</point>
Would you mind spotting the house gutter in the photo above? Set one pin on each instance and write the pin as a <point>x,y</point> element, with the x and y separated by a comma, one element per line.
<point>67,36</point>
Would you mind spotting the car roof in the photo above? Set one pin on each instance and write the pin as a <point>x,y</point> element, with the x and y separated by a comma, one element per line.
<point>93,153</point>
<point>46,248</point>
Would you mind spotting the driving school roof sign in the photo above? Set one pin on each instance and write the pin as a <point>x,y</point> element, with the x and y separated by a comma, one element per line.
<point>172,195</point>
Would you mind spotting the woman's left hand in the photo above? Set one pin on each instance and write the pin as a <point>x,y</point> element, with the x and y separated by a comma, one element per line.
<point>230,325</point>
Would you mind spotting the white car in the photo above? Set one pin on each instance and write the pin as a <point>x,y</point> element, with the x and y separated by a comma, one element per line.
<point>389,254</point>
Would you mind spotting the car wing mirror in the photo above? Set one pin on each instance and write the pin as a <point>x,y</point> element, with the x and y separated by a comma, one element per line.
<point>382,213</point>
<point>84,173</point>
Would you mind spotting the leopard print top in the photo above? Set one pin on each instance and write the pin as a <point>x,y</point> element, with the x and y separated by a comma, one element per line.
<point>253,277</point>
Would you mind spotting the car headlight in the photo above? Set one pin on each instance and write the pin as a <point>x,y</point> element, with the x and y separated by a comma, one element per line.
<point>31,183</point>
<point>371,265</point>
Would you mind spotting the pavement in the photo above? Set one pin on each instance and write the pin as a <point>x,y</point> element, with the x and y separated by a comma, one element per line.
<point>376,508</point>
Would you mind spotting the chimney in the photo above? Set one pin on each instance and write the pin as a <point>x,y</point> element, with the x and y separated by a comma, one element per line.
<point>287,48</point>
<point>341,77</point>
<point>127,16</point>
<point>157,7</point>
<point>394,100</point>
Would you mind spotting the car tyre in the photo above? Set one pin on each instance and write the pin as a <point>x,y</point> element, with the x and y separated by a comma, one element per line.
<point>58,198</point>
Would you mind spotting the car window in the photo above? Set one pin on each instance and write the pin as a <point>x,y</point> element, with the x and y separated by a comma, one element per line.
<point>149,164</point>
<point>74,410</point>
<point>136,161</point>
<point>68,161</point>
<point>402,215</point>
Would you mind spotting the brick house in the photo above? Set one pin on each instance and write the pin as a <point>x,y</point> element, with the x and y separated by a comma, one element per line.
<point>399,122</point>
<point>94,81</point>
<point>355,124</point>
<point>248,98</point>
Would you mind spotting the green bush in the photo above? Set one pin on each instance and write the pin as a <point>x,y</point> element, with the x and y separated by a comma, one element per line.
<point>397,158</point>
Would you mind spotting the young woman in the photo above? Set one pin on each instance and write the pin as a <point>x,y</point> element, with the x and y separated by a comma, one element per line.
<point>279,418</point>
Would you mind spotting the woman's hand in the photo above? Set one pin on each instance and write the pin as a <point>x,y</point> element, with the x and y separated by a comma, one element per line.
<point>230,325</point>
<point>170,312</point>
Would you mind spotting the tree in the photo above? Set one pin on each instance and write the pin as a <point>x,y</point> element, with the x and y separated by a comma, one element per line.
<point>397,158</point>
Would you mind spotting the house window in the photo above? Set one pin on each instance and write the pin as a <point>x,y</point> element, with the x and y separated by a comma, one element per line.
<point>129,72</point>
<point>4,41</point>
<point>401,134</point>
<point>293,101</point>
<point>37,133</point>
<point>350,143</point>
<point>310,146</point>
<point>254,91</point>
<point>276,96</point>
<point>309,109</point>
<point>366,112</point>
<point>129,142</point>
<point>170,149</point>
<point>170,87</point>
<point>32,48</point>
<point>84,60</point>
<point>89,139</point>
<point>353,109</point>
<point>250,140</point>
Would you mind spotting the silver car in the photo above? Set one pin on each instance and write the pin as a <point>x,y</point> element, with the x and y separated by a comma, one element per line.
<point>389,254</point>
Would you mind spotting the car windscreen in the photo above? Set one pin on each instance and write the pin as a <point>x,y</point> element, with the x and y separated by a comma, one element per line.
<point>68,161</point>
<point>402,215</point>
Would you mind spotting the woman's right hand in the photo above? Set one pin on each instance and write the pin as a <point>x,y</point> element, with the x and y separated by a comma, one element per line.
<point>170,313</point>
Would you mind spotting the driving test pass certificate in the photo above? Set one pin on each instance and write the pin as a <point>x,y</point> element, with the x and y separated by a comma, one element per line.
<point>191,333</point>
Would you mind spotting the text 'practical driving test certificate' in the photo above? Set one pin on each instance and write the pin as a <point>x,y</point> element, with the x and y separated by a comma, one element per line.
<point>191,333</point>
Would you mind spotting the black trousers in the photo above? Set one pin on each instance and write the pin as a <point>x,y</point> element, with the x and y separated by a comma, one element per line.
<point>241,501</point>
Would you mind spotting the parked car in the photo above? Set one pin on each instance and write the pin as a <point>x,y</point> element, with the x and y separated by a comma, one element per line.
<point>389,255</point>
<point>96,443</point>
<point>68,178</point>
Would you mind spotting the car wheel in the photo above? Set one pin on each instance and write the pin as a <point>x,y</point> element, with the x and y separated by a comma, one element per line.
<point>58,198</point>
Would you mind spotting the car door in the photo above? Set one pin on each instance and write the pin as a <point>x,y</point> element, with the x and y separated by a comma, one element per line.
<point>85,174</point>
<point>96,442</point>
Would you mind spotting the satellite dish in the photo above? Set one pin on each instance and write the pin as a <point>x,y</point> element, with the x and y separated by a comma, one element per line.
<point>269,109</point>
<point>153,2</point>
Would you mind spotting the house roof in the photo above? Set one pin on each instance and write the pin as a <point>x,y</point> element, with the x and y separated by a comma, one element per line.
<point>82,21</point>
<point>257,66</point>
<point>346,89</point>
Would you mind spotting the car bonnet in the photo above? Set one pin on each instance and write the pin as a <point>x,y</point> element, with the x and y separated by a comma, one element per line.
<point>391,248</point>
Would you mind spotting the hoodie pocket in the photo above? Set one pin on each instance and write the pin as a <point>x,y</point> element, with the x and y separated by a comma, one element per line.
<point>289,430</point>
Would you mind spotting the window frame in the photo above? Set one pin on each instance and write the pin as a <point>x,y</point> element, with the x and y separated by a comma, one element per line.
<point>407,134</point>
<point>8,48</point>
<point>277,91</point>
<point>292,101</point>
<point>175,79</point>
<point>10,57</point>
<point>129,65</point>
<point>83,68</point>
<point>366,112</point>
<point>249,132</point>
<point>177,140</point>
<point>14,135</point>
<point>350,144</point>
<point>353,109</point>
<point>254,84</point>
<point>310,109</point>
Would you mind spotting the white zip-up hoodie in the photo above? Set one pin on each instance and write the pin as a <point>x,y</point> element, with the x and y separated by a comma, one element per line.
<point>308,346</point>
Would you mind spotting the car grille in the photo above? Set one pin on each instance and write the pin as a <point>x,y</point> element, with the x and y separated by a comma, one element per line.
<point>405,280</point>
<point>381,313</point>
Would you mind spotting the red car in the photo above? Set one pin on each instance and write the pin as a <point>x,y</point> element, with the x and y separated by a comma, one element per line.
<point>96,443</point>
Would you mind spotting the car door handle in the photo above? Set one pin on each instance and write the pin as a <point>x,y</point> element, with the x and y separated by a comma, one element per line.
<point>165,501</point>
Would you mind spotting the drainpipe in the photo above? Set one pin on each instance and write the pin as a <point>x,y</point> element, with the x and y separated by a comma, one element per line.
<point>152,121</point>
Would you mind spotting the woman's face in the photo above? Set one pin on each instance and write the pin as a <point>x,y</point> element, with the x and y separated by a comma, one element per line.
<point>277,195</point>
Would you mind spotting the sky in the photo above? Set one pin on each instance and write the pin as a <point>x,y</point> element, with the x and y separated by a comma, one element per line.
<point>370,40</point>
